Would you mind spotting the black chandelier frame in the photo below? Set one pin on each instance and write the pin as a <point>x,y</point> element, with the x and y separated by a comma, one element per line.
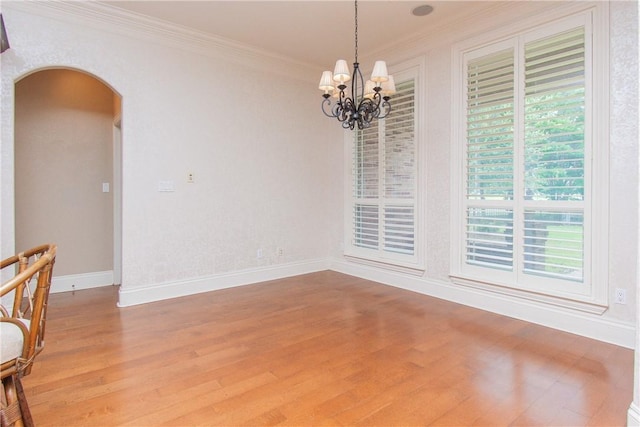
<point>357,110</point>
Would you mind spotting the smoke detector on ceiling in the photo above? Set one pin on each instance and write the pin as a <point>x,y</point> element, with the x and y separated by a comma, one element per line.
<point>423,10</point>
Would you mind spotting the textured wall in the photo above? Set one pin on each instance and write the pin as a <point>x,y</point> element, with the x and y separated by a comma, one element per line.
<point>625,137</point>
<point>266,177</point>
<point>254,140</point>
<point>624,153</point>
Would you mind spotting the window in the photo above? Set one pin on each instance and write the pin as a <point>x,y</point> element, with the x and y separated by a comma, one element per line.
<point>384,194</point>
<point>525,217</point>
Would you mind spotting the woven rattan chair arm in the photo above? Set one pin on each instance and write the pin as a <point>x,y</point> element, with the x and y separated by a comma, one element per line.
<point>46,259</point>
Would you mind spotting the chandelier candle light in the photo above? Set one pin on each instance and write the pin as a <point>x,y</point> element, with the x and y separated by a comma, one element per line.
<point>367,101</point>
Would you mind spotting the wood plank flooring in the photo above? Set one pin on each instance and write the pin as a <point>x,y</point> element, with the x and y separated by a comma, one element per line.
<point>322,349</point>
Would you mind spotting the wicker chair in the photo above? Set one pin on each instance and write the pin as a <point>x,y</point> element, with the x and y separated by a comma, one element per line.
<point>22,329</point>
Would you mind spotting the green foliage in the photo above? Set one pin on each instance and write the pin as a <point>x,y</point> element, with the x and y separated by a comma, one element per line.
<point>561,239</point>
<point>554,146</point>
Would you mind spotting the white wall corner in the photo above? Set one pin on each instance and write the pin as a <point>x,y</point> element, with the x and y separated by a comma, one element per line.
<point>176,289</point>
<point>633,415</point>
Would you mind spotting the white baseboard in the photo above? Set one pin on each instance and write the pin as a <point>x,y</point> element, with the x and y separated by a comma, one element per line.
<point>633,415</point>
<point>573,321</point>
<point>75,282</point>
<point>162,291</point>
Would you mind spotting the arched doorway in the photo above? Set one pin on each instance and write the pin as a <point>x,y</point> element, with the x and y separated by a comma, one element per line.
<point>67,166</point>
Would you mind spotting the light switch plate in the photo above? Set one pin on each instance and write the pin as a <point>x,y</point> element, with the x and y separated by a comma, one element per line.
<point>166,186</point>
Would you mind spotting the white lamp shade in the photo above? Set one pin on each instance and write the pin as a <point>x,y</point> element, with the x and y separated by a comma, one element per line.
<point>326,81</point>
<point>368,89</point>
<point>388,87</point>
<point>341,72</point>
<point>380,72</point>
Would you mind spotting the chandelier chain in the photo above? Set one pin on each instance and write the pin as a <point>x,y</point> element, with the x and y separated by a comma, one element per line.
<point>356,27</point>
<point>364,105</point>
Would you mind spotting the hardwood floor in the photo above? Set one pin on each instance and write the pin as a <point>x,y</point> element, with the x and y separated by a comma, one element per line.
<point>319,349</point>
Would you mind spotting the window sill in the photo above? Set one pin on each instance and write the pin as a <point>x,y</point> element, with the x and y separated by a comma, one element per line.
<point>559,301</point>
<point>392,265</point>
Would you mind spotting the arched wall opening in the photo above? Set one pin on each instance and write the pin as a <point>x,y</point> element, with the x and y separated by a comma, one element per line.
<point>67,151</point>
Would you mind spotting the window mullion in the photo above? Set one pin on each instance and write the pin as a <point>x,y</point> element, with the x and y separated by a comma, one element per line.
<point>519,155</point>
<point>381,184</point>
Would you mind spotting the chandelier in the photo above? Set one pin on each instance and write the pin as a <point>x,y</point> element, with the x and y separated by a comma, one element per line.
<point>367,101</point>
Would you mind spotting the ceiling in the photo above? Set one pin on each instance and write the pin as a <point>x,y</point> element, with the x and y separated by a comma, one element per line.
<point>313,32</point>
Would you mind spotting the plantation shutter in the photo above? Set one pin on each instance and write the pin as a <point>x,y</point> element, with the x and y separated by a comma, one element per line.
<point>367,174</point>
<point>385,179</point>
<point>400,172</point>
<point>490,160</point>
<point>554,166</point>
<point>525,158</point>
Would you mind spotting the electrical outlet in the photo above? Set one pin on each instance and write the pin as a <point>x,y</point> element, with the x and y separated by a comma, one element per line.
<point>259,254</point>
<point>621,296</point>
<point>280,251</point>
<point>190,178</point>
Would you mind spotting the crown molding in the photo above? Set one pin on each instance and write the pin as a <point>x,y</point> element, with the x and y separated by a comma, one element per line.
<point>433,35</point>
<point>102,17</point>
<point>494,15</point>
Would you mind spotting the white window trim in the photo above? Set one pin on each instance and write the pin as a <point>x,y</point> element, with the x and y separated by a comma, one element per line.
<point>595,298</point>
<point>389,261</point>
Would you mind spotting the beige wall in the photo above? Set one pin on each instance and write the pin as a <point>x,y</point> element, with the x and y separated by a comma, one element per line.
<point>63,154</point>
